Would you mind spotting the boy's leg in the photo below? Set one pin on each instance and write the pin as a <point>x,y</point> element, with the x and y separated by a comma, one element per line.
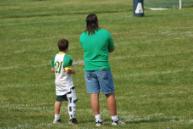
<point>71,97</point>
<point>57,107</point>
<point>71,109</point>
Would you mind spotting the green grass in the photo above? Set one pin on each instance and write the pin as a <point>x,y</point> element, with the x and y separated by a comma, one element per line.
<point>167,3</point>
<point>152,64</point>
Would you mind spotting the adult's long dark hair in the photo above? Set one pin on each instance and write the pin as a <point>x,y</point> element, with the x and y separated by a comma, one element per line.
<point>91,23</point>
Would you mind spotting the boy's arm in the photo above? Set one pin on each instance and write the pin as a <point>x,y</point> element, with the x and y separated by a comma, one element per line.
<point>69,70</point>
<point>68,61</point>
<point>52,65</point>
<point>53,70</point>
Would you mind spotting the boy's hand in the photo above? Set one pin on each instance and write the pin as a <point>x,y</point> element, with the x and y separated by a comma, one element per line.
<point>78,62</point>
<point>53,70</point>
<point>69,70</point>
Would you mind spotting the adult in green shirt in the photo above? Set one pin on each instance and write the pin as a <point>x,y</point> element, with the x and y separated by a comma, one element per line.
<point>97,43</point>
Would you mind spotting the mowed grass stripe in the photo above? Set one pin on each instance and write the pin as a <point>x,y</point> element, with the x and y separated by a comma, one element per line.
<point>151,73</point>
<point>118,57</point>
<point>152,64</point>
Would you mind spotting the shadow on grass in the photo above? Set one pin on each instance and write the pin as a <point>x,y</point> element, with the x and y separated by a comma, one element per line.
<point>25,15</point>
<point>133,120</point>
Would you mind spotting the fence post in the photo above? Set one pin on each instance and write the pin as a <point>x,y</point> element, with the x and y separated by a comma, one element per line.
<point>180,4</point>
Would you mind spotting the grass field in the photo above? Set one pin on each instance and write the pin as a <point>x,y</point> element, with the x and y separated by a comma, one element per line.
<point>168,3</point>
<point>152,64</point>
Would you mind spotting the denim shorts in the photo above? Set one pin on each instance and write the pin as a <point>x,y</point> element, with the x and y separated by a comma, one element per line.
<point>99,81</point>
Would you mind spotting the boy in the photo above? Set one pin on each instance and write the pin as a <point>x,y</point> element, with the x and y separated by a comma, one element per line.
<point>65,90</point>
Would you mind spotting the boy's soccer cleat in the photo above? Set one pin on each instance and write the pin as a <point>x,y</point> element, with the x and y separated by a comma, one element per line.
<point>99,123</point>
<point>57,121</point>
<point>118,122</point>
<point>73,121</point>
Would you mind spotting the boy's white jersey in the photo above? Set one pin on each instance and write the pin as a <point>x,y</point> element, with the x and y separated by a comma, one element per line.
<point>63,81</point>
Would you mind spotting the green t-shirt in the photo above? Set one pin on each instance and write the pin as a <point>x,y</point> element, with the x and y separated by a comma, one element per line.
<point>96,49</point>
<point>61,59</point>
